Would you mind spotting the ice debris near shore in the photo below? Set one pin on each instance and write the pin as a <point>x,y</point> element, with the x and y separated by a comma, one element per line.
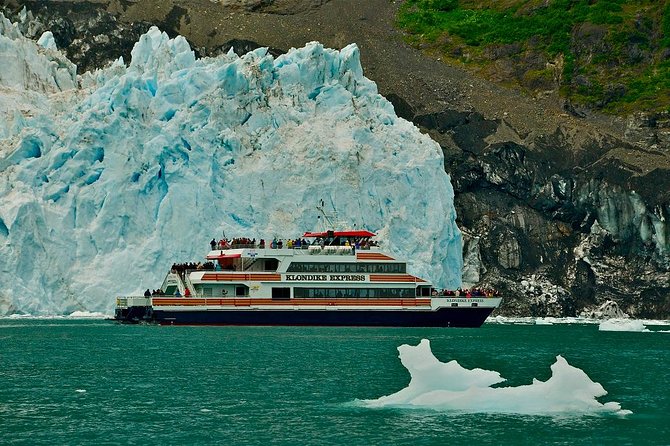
<point>108,178</point>
<point>448,386</point>
<point>635,325</point>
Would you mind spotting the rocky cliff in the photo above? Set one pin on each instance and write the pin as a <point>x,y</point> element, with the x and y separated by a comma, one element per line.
<point>560,210</point>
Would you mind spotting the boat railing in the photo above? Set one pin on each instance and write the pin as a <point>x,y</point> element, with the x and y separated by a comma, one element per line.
<point>299,248</point>
<point>331,250</point>
<point>132,301</point>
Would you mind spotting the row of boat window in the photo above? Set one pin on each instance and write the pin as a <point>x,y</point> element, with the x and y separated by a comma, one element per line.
<point>353,293</point>
<point>371,268</point>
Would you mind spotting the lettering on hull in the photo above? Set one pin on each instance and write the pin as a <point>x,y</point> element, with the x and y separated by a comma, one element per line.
<point>325,277</point>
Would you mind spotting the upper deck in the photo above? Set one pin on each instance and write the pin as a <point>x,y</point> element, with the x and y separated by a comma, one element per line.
<point>299,259</point>
<point>328,246</point>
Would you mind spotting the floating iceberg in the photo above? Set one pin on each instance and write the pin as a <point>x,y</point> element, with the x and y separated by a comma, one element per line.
<point>622,325</point>
<point>448,386</point>
<point>108,178</point>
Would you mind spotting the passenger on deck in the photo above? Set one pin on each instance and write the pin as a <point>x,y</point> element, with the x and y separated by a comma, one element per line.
<point>147,293</point>
<point>177,293</point>
<point>213,244</point>
<point>187,292</point>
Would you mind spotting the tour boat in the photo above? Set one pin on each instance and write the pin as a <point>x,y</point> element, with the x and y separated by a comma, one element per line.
<point>330,278</point>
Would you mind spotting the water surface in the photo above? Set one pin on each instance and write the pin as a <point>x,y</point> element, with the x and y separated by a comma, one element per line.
<point>95,382</point>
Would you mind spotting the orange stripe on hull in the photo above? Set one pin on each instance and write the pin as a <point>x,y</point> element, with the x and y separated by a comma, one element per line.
<point>224,277</point>
<point>372,256</point>
<point>394,278</point>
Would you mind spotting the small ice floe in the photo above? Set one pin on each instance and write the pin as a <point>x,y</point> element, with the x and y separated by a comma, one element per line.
<point>504,320</point>
<point>87,315</point>
<point>511,320</point>
<point>39,317</point>
<point>623,325</point>
<point>80,390</point>
<point>544,321</point>
<point>656,322</point>
<point>205,410</point>
<point>450,387</point>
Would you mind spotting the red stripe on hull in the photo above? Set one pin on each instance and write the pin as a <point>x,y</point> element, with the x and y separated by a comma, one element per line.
<point>228,277</point>
<point>372,256</point>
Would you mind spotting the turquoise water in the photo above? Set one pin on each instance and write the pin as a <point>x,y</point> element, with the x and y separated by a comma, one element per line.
<point>94,382</point>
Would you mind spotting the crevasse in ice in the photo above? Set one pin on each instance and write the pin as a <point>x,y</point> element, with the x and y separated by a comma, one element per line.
<point>108,178</point>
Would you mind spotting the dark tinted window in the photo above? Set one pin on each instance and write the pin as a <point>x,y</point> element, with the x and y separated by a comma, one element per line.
<point>370,268</point>
<point>353,293</point>
<point>271,264</point>
<point>281,293</point>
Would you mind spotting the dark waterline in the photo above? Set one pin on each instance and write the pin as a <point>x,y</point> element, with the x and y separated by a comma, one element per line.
<point>94,382</point>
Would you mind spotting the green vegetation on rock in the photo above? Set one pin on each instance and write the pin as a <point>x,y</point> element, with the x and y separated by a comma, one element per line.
<point>612,55</point>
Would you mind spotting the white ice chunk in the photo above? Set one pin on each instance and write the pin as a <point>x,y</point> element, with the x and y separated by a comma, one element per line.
<point>622,325</point>
<point>448,386</point>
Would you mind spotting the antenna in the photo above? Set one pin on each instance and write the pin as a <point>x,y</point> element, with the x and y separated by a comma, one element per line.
<point>326,217</point>
<point>331,220</point>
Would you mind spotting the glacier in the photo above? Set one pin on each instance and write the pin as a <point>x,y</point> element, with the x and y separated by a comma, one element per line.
<point>109,177</point>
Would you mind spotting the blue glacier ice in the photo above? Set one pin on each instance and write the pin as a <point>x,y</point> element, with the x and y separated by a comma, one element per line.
<point>109,177</point>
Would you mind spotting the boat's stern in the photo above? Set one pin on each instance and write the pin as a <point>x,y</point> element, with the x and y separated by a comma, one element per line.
<point>133,309</point>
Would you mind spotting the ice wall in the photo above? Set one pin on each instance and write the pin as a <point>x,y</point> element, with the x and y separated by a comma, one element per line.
<point>104,184</point>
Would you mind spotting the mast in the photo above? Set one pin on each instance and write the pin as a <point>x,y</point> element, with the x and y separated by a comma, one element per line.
<point>330,221</point>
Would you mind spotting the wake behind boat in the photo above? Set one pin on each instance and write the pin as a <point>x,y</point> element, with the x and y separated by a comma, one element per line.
<point>330,278</point>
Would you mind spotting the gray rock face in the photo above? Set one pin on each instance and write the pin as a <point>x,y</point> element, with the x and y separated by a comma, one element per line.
<point>559,212</point>
<point>590,233</point>
<point>607,310</point>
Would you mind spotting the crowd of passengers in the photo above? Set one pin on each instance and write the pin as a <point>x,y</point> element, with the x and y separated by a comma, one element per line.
<point>298,243</point>
<point>181,268</point>
<point>474,292</point>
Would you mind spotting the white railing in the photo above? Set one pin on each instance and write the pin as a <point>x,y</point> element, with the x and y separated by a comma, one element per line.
<point>331,250</point>
<point>189,284</point>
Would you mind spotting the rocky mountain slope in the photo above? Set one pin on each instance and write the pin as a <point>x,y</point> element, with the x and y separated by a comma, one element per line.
<point>560,211</point>
<point>609,55</point>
